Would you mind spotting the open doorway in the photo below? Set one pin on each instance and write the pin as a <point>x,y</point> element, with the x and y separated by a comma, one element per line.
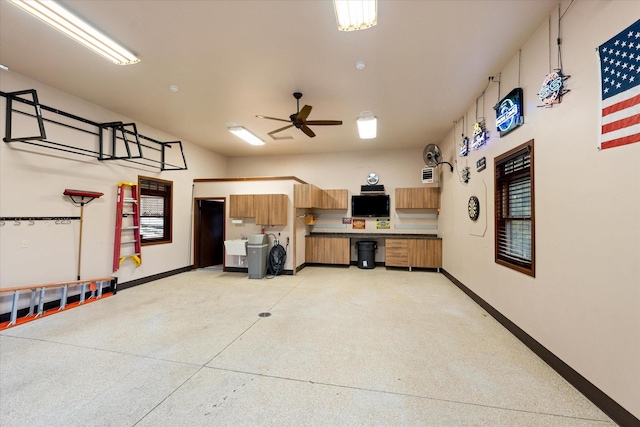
<point>209,233</point>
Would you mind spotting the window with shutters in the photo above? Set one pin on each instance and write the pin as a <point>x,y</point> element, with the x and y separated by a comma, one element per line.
<point>514,212</point>
<point>155,210</point>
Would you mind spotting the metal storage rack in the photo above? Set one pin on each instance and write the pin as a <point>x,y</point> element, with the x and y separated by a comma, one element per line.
<point>116,140</point>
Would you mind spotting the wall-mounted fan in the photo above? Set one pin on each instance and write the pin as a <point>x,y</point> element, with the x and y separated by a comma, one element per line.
<point>299,119</point>
<point>433,157</point>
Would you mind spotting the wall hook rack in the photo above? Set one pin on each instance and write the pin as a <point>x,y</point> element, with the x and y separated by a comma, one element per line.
<point>18,220</point>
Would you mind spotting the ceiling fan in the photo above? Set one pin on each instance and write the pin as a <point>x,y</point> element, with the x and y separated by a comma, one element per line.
<point>299,119</point>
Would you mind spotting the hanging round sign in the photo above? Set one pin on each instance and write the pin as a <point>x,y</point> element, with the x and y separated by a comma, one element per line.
<point>551,88</point>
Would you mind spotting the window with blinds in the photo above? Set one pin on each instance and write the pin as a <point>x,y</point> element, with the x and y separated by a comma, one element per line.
<point>155,210</point>
<point>514,212</point>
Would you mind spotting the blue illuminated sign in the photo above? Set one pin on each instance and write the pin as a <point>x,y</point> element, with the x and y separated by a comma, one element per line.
<point>509,112</point>
<point>464,147</point>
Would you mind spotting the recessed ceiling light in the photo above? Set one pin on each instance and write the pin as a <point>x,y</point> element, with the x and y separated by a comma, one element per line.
<point>4,67</point>
<point>173,88</point>
<point>360,65</point>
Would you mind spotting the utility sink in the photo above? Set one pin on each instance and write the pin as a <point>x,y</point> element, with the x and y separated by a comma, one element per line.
<point>236,247</point>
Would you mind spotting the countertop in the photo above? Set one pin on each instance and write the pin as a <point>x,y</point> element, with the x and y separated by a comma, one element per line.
<point>376,235</point>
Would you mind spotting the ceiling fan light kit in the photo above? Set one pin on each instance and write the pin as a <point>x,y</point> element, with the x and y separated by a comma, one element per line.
<point>67,23</point>
<point>367,127</point>
<point>245,135</point>
<point>355,15</point>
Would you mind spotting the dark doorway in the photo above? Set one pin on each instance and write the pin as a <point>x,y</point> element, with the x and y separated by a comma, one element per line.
<point>209,233</point>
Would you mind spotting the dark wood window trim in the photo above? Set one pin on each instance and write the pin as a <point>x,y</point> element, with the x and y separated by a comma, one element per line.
<point>162,190</point>
<point>515,209</point>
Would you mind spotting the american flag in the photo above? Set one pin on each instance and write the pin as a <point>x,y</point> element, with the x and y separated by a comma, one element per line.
<point>620,88</point>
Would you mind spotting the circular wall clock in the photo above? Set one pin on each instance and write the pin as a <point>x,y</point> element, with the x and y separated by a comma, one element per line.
<point>474,208</point>
<point>372,178</point>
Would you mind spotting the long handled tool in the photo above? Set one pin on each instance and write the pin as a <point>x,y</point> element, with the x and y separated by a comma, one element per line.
<point>81,198</point>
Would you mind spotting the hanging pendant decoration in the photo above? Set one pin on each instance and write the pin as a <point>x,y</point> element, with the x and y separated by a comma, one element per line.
<point>480,135</point>
<point>553,89</point>
<point>464,146</point>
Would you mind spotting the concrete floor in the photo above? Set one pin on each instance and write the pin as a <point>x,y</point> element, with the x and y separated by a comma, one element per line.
<point>342,347</point>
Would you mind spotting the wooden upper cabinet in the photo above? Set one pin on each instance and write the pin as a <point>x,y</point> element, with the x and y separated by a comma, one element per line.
<point>271,209</point>
<point>418,198</point>
<point>335,199</point>
<point>306,196</point>
<point>241,206</point>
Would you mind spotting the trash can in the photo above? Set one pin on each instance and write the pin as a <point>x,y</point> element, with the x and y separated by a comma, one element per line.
<point>257,251</point>
<point>366,254</point>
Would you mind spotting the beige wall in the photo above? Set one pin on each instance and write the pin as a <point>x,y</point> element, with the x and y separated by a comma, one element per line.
<point>32,181</point>
<point>584,303</point>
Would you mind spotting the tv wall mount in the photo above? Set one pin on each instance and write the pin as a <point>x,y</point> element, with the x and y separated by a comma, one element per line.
<point>115,140</point>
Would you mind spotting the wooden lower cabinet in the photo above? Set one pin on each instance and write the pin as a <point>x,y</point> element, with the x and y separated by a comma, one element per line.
<point>396,252</point>
<point>328,250</point>
<point>425,253</point>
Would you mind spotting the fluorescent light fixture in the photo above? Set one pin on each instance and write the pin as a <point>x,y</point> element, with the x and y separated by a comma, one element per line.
<point>367,127</point>
<point>355,15</point>
<point>245,135</point>
<point>64,21</point>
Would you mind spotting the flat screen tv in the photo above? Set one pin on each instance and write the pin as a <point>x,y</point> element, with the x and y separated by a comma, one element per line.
<point>373,205</point>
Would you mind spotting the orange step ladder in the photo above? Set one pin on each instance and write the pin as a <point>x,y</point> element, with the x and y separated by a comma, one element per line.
<point>131,230</point>
<point>99,289</point>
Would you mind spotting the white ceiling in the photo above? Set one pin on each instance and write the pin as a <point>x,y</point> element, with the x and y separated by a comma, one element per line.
<point>426,62</point>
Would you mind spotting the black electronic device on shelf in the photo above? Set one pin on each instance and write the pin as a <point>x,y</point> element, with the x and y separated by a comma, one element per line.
<point>372,188</point>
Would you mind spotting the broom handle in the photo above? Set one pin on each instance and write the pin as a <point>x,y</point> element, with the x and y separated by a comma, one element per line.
<point>80,240</point>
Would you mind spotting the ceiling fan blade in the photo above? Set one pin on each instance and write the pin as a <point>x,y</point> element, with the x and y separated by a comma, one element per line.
<point>309,132</point>
<point>279,130</point>
<point>303,114</point>
<point>324,122</point>
<point>273,118</point>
